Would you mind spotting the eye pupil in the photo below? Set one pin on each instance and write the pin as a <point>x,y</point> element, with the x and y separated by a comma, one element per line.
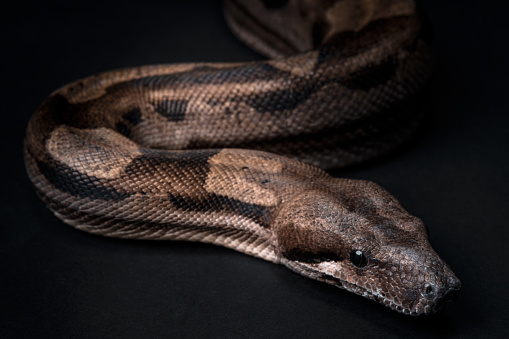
<point>358,258</point>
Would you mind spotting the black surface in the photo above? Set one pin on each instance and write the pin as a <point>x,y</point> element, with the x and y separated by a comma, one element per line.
<point>58,282</point>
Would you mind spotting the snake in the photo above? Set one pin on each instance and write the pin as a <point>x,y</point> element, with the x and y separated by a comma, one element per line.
<point>236,153</point>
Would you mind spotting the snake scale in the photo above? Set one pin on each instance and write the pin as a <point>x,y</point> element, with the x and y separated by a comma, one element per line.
<point>228,153</point>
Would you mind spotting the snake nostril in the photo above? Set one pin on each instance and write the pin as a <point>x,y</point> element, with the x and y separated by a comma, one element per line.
<point>428,291</point>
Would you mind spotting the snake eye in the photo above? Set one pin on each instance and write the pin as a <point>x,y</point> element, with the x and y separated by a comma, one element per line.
<point>358,258</point>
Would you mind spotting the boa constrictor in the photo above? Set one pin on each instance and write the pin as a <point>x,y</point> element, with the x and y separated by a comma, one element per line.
<point>181,152</point>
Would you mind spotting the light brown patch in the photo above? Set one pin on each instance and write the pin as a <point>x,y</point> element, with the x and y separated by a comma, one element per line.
<point>239,175</point>
<point>301,65</point>
<point>99,152</point>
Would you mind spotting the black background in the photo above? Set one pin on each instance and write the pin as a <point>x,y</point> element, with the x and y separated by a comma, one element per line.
<point>60,282</point>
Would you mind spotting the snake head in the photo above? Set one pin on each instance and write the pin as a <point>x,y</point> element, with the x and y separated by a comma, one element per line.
<point>355,235</point>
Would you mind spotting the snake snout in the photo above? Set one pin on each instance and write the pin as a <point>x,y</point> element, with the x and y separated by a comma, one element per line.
<point>449,296</point>
<point>442,295</point>
<point>452,290</point>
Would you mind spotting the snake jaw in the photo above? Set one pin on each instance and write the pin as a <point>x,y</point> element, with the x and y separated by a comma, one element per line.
<point>333,273</point>
<point>422,306</point>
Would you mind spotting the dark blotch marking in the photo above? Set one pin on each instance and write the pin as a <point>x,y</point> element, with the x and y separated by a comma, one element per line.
<point>123,129</point>
<point>310,257</point>
<point>152,160</point>
<point>78,184</point>
<point>366,207</point>
<point>271,102</point>
<point>195,158</point>
<point>220,203</point>
<point>133,116</point>
<point>370,77</point>
<point>238,74</point>
<point>285,99</point>
<point>364,79</point>
<point>386,129</point>
<point>207,75</point>
<point>173,110</point>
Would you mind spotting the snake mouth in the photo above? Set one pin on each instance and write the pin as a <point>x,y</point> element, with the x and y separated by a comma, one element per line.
<point>421,306</point>
<point>449,296</point>
<point>366,293</point>
<point>310,271</point>
<point>381,298</point>
<point>418,307</point>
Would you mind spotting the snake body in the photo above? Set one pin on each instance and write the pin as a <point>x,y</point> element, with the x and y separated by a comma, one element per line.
<point>227,153</point>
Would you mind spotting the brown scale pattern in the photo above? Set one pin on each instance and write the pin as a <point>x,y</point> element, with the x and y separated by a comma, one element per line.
<point>180,152</point>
